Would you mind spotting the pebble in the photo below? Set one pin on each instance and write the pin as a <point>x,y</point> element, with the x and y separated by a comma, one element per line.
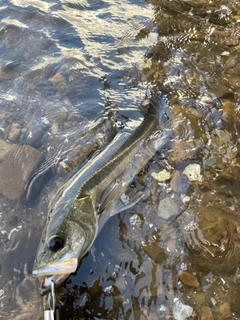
<point>181,311</point>
<point>205,313</point>
<point>14,132</point>
<point>59,82</point>
<point>192,171</point>
<point>135,220</point>
<point>167,208</point>
<point>179,182</point>
<point>188,279</point>
<point>161,176</point>
<point>35,133</point>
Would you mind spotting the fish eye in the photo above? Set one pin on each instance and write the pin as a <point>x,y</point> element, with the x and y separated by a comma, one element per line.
<point>55,243</point>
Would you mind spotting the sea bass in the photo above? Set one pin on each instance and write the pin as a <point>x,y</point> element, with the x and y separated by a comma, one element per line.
<point>96,192</point>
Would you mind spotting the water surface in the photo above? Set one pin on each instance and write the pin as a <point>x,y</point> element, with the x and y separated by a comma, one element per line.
<point>72,74</point>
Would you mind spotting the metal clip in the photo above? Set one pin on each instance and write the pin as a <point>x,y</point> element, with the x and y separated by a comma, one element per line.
<point>50,303</point>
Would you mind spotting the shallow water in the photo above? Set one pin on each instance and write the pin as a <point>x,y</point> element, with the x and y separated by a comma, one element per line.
<point>72,74</point>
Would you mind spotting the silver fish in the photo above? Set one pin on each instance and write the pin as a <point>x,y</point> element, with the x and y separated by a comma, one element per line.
<point>96,192</point>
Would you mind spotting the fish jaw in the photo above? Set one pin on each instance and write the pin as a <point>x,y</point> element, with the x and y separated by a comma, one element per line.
<point>57,272</point>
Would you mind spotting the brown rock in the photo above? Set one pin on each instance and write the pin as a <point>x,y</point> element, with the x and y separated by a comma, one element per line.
<point>5,148</point>
<point>189,279</point>
<point>225,311</point>
<point>59,82</point>
<point>231,174</point>
<point>205,313</point>
<point>155,252</point>
<point>16,168</point>
<point>14,132</point>
<point>214,242</point>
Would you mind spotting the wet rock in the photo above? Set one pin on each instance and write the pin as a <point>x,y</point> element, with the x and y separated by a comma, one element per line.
<point>155,252</point>
<point>233,298</point>
<point>15,170</point>
<point>35,133</point>
<point>14,132</point>
<point>181,311</point>
<point>225,311</point>
<point>168,208</point>
<point>179,182</point>
<point>5,148</point>
<point>214,242</point>
<point>136,221</point>
<point>189,279</point>
<point>205,313</point>
<point>200,298</point>
<point>59,82</point>
<point>231,41</point>
<point>161,176</point>
<point>234,81</point>
<point>231,174</point>
<point>192,171</point>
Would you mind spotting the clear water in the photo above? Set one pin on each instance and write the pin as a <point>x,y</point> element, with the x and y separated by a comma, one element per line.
<point>71,72</point>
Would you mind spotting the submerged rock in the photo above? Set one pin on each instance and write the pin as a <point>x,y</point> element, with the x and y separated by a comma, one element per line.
<point>192,171</point>
<point>162,175</point>
<point>168,208</point>
<point>16,168</point>
<point>189,279</point>
<point>214,243</point>
<point>181,311</point>
<point>5,148</point>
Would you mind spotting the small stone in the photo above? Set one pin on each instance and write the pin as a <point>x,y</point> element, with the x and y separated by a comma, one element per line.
<point>205,313</point>
<point>135,220</point>
<point>155,252</point>
<point>179,182</point>
<point>59,82</point>
<point>231,41</point>
<point>181,311</point>
<point>200,298</point>
<point>192,171</point>
<point>14,132</point>
<point>167,208</point>
<point>161,176</point>
<point>188,279</point>
<point>225,310</point>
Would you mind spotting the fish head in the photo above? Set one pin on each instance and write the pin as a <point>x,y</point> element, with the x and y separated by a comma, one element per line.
<point>65,240</point>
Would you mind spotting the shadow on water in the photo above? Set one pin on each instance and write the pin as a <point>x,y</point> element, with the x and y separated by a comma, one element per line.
<point>72,74</point>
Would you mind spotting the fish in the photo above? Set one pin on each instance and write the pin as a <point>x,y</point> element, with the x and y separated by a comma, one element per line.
<point>97,191</point>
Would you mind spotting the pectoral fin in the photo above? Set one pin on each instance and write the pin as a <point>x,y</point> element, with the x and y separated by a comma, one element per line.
<point>126,200</point>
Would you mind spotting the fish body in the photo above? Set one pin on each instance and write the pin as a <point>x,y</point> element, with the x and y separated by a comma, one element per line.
<point>82,205</point>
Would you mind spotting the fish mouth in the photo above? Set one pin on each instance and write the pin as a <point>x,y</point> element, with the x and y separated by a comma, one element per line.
<point>56,272</point>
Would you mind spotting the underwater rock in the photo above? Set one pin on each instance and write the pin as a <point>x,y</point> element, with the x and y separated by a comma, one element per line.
<point>189,279</point>
<point>192,171</point>
<point>5,148</point>
<point>155,252</point>
<point>205,313</point>
<point>59,82</point>
<point>168,208</point>
<point>181,311</point>
<point>35,133</point>
<point>14,132</point>
<point>161,176</point>
<point>214,242</point>
<point>16,168</point>
<point>179,182</point>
